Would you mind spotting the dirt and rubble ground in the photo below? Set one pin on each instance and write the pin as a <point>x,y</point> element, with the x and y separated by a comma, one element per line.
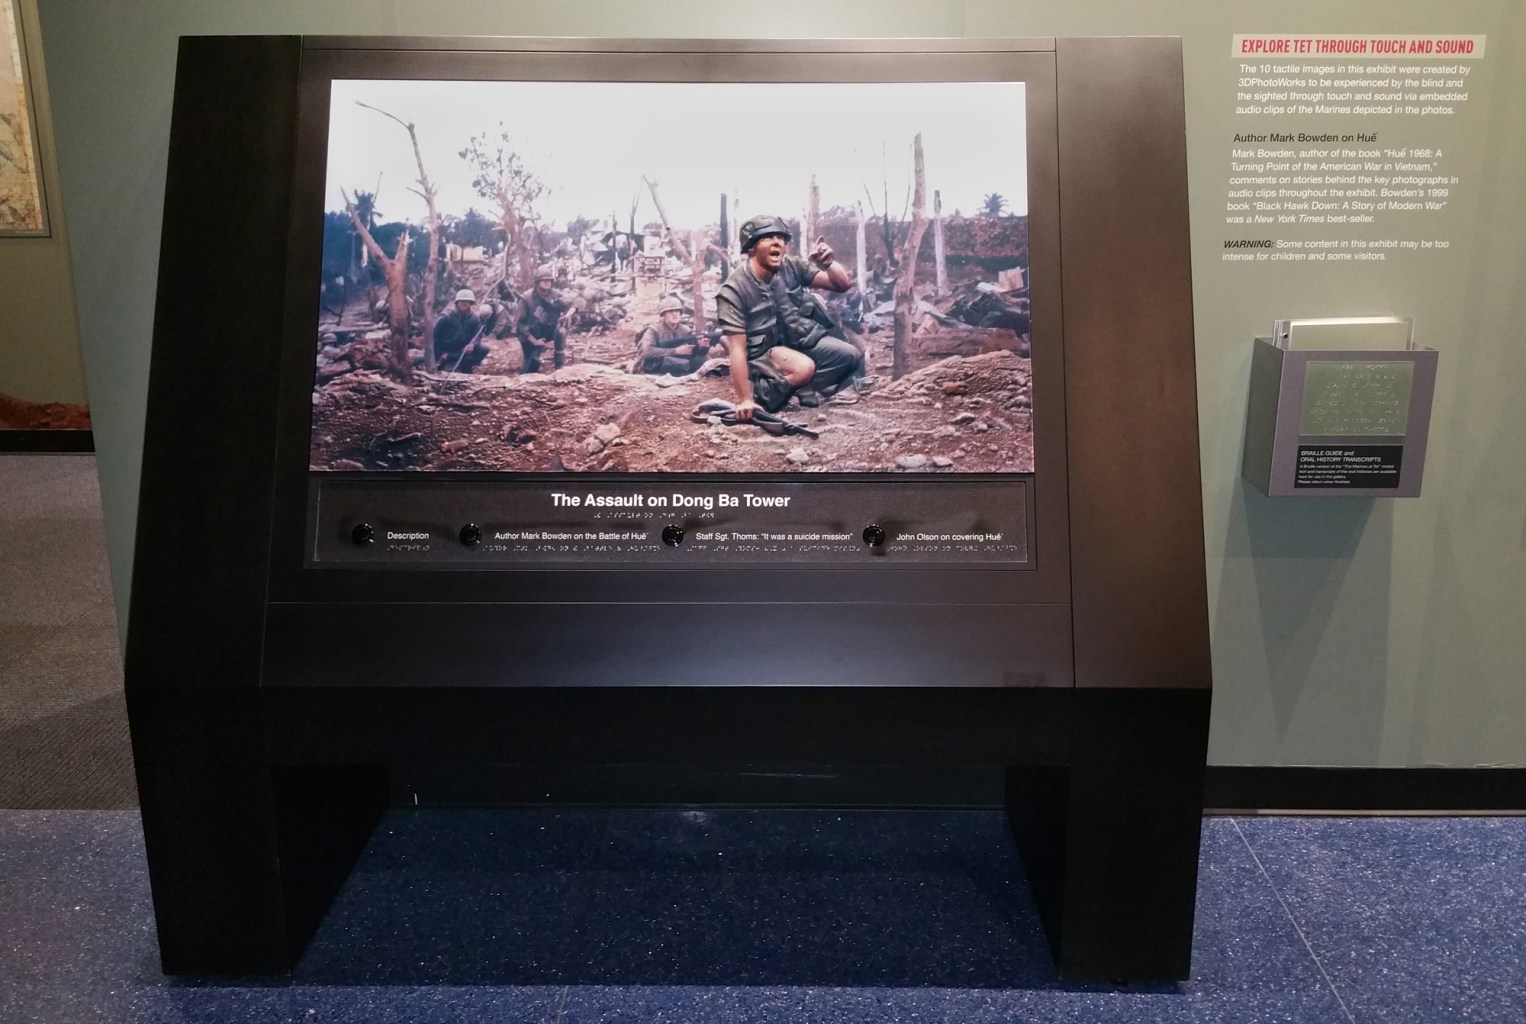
<point>966,407</point>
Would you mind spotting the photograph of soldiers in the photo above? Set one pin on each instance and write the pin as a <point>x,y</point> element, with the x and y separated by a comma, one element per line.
<point>777,336</point>
<point>503,296</point>
<point>458,335</point>
<point>540,322</point>
<point>669,346</point>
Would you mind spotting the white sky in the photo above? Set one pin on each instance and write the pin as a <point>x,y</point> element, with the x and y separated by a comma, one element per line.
<point>591,142</point>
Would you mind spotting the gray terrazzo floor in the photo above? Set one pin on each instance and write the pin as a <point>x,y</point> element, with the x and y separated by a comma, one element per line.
<point>710,917</point>
<point>63,724</point>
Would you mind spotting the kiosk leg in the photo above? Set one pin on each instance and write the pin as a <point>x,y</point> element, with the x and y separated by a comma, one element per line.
<point>1110,842</point>
<point>244,859</point>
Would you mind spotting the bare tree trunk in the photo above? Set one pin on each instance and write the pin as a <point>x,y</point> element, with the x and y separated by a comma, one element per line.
<point>941,266</point>
<point>679,249</point>
<point>395,269</point>
<point>432,264</point>
<point>813,216</point>
<point>859,257</point>
<point>906,277</point>
<point>526,257</point>
<point>508,249</point>
<point>431,270</point>
<point>695,260</point>
<point>698,264</point>
<point>631,235</point>
<point>725,240</point>
<point>513,226</point>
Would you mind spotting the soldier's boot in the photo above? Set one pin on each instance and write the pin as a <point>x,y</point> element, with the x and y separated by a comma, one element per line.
<point>531,363</point>
<point>769,389</point>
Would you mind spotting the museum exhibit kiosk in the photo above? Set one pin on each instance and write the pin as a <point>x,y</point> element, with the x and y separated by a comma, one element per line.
<point>989,554</point>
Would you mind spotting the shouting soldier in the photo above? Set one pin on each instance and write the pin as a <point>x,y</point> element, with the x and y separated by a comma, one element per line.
<point>776,331</point>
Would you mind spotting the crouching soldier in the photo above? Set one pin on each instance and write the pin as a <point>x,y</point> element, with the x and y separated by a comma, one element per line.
<point>540,323</point>
<point>777,333</point>
<point>458,335</point>
<point>502,303</point>
<point>668,346</point>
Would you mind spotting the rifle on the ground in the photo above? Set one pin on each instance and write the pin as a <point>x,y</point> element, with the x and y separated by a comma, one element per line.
<point>765,421</point>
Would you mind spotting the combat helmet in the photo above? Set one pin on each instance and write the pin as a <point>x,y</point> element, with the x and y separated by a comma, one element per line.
<point>545,273</point>
<point>465,295</point>
<point>670,304</point>
<point>755,228</point>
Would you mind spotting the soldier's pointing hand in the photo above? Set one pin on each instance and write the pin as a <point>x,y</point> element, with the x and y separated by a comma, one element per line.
<point>822,255</point>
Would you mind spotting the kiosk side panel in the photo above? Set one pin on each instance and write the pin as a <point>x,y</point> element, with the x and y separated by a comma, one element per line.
<point>1136,518</point>
<point>209,444</point>
<point>242,858</point>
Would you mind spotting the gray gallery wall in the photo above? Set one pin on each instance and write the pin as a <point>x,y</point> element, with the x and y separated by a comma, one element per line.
<point>1346,631</point>
<point>39,343</point>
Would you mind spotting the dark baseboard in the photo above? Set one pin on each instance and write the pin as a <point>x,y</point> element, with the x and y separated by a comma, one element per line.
<point>1241,790</point>
<point>47,441</point>
<point>1227,789</point>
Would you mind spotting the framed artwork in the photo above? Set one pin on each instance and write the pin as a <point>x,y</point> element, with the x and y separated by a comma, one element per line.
<point>22,209</point>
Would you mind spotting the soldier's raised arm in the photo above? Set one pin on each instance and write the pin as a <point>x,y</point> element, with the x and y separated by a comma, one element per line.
<point>830,274</point>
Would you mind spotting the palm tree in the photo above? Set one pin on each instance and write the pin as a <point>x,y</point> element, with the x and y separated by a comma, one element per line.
<point>993,205</point>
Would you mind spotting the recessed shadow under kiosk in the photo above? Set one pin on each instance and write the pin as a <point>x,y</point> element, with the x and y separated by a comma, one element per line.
<point>273,690</point>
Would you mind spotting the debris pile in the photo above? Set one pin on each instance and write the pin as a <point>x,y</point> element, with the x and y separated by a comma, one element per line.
<point>956,415</point>
<point>975,316</point>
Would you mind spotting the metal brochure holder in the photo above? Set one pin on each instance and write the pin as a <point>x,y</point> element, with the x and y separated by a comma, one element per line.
<point>1339,406</point>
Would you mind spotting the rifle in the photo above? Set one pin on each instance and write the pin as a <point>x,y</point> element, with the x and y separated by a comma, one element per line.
<point>468,347</point>
<point>688,339</point>
<point>764,421</point>
<point>664,348</point>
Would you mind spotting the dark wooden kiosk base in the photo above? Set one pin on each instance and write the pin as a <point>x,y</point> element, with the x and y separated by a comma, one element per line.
<point>268,699</point>
<point>1104,795</point>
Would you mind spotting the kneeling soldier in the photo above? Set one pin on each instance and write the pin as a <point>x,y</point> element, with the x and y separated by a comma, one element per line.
<point>776,332</point>
<point>458,336</point>
<point>540,322</point>
<point>669,347</point>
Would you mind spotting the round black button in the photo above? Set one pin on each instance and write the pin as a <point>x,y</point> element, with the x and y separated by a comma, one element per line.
<point>672,536</point>
<point>874,536</point>
<point>471,534</point>
<point>363,534</point>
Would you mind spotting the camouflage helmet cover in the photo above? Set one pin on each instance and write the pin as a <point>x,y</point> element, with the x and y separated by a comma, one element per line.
<point>545,273</point>
<point>465,295</point>
<point>755,228</point>
<point>670,304</point>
